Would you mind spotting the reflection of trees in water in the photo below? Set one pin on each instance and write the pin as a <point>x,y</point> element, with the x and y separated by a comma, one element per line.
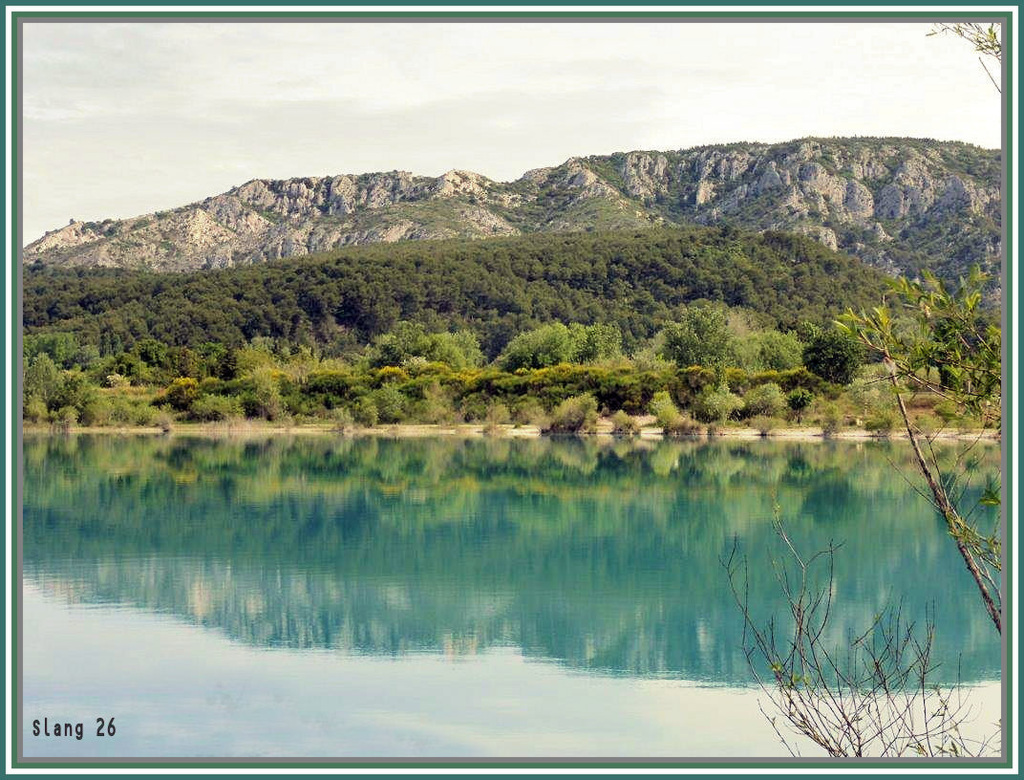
<point>599,553</point>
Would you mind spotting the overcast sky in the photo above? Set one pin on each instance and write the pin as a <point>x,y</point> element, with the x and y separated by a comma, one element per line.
<point>125,119</point>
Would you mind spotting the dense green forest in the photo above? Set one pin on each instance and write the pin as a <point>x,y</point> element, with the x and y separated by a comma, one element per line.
<point>498,288</point>
<point>693,327</point>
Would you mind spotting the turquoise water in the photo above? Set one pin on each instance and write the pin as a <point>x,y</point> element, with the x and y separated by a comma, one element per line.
<point>442,597</point>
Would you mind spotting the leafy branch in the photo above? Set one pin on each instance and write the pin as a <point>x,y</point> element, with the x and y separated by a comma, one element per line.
<point>951,352</point>
<point>986,41</point>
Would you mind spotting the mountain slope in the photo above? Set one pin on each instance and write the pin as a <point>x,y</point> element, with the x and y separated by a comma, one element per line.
<point>898,204</point>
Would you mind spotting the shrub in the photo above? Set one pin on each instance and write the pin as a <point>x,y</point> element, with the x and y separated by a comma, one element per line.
<point>75,390</point>
<point>925,425</point>
<point>881,421</point>
<point>799,377</point>
<point>116,381</point>
<point>95,411</point>
<point>767,350</point>
<point>259,354</point>
<point>953,415</point>
<point>436,406</point>
<point>182,392</point>
<point>390,404</point>
<point>210,385</point>
<point>547,345</point>
<point>682,425</point>
<point>946,411</point>
<point>409,344</point>
<point>144,414</point>
<point>391,375</point>
<point>798,400</point>
<point>474,408</point>
<point>672,421</point>
<point>764,424</point>
<point>64,418</point>
<point>164,421</point>
<point>330,388</point>
<point>365,412</point>
<point>740,381</point>
<point>555,343</point>
<point>530,411</point>
<point>211,408</point>
<point>764,401</point>
<point>649,359</point>
<point>663,408</point>
<point>829,418</point>
<point>625,423</point>
<point>497,415</point>
<point>35,410</point>
<point>694,380</point>
<point>715,405</point>
<point>264,399</point>
<point>342,419</point>
<point>122,411</point>
<point>417,365</point>
<point>574,415</point>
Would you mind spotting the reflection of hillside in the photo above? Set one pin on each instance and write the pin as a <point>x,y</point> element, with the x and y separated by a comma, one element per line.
<point>605,556</point>
<point>279,608</point>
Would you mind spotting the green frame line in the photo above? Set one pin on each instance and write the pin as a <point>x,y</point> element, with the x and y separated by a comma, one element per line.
<point>538,14</point>
<point>15,387</point>
<point>1008,428</point>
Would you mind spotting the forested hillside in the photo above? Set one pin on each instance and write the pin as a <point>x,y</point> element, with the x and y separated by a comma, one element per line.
<point>635,280</point>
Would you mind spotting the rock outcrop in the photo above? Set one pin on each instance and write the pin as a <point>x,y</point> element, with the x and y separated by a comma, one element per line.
<point>899,204</point>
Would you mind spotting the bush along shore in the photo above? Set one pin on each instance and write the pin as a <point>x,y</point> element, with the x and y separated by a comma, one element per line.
<point>706,374</point>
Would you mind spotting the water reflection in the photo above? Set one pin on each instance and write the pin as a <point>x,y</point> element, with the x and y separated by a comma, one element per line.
<point>603,556</point>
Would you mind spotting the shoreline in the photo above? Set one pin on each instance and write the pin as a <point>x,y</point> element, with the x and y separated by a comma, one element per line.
<point>479,430</point>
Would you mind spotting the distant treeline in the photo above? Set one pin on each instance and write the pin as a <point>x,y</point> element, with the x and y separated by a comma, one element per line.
<point>637,281</point>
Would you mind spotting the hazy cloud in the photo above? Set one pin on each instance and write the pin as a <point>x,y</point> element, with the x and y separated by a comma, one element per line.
<point>120,119</point>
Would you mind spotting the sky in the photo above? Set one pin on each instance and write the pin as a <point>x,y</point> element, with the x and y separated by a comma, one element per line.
<point>122,119</point>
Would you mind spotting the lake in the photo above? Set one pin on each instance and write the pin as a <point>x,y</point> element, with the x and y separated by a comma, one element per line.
<point>441,597</point>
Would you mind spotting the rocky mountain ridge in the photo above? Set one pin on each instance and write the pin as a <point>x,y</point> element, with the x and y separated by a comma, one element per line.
<point>899,204</point>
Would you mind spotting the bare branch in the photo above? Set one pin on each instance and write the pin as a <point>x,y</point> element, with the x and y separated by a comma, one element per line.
<point>869,697</point>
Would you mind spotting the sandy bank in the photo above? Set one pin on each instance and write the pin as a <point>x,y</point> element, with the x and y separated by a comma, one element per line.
<point>473,430</point>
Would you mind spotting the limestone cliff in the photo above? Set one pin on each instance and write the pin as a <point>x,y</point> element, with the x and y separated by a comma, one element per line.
<point>898,204</point>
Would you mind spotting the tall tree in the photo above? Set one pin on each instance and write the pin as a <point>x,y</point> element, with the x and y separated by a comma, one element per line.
<point>700,338</point>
